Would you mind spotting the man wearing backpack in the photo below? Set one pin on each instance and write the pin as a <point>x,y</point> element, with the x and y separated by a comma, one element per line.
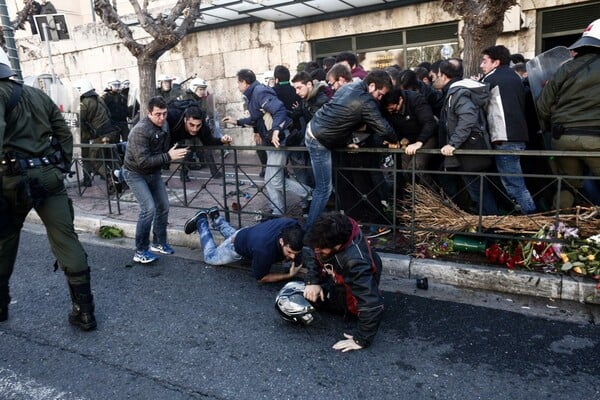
<point>34,154</point>
<point>198,93</point>
<point>188,127</point>
<point>507,123</point>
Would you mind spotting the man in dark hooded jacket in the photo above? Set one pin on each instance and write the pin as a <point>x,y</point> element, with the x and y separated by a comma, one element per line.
<point>343,276</point>
<point>461,117</point>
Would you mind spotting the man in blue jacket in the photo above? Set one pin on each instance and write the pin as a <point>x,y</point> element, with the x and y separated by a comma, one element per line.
<point>268,116</point>
<point>264,244</point>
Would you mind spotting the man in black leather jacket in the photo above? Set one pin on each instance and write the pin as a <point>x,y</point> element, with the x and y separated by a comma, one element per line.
<point>343,276</point>
<point>353,107</point>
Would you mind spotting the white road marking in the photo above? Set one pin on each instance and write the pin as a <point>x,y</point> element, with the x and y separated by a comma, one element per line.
<point>14,386</point>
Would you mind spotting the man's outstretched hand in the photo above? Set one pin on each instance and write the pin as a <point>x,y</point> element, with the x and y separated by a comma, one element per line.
<point>347,344</point>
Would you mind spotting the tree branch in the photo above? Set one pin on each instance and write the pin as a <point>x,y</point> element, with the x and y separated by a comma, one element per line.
<point>112,20</point>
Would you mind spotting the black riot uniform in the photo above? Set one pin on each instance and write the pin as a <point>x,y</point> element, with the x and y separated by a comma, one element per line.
<point>36,148</point>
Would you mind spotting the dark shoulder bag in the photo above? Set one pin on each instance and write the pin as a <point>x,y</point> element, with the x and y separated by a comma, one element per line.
<point>477,141</point>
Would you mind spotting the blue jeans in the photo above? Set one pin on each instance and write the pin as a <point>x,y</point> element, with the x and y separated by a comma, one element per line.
<point>274,171</point>
<point>489,206</point>
<point>320,158</point>
<point>515,183</point>
<point>151,195</point>
<point>225,252</point>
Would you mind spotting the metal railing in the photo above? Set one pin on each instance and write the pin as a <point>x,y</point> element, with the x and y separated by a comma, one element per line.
<point>409,210</point>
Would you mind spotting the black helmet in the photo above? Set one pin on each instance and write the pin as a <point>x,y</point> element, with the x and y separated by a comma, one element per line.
<point>5,68</point>
<point>292,306</point>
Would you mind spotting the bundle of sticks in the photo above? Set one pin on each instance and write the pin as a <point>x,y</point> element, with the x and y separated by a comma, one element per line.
<point>431,214</point>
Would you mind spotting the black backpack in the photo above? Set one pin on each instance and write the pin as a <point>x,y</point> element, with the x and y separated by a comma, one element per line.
<point>176,108</point>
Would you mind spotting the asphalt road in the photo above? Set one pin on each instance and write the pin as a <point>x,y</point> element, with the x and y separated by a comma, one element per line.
<point>183,330</point>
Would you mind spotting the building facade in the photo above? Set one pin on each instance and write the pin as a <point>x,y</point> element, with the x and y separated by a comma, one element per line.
<point>381,32</point>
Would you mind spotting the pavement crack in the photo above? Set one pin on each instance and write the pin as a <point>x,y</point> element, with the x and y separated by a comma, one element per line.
<point>157,380</point>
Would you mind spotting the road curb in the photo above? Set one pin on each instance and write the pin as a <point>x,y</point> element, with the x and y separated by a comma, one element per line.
<point>560,287</point>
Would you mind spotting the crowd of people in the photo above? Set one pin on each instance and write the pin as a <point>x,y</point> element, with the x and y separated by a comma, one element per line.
<point>325,106</point>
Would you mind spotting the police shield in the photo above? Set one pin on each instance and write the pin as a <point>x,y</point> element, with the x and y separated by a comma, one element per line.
<point>544,66</point>
<point>213,115</point>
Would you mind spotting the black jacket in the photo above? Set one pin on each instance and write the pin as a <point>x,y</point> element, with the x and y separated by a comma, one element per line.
<point>309,106</point>
<point>358,269</point>
<point>506,108</point>
<point>351,107</point>
<point>179,134</point>
<point>415,120</point>
<point>287,94</point>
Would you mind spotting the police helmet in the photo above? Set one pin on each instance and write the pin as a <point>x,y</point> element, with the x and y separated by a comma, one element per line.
<point>113,84</point>
<point>164,77</point>
<point>125,84</point>
<point>590,37</point>
<point>197,83</point>
<point>5,68</point>
<point>292,306</point>
<point>268,76</point>
<point>83,86</point>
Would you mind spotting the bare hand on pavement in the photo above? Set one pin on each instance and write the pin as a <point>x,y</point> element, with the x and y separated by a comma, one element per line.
<point>314,292</point>
<point>347,344</point>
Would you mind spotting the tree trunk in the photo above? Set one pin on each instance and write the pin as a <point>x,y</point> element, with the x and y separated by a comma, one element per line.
<point>166,29</point>
<point>476,39</point>
<point>483,22</point>
<point>147,72</point>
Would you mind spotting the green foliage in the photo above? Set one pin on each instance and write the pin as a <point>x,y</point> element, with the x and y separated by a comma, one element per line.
<point>110,232</point>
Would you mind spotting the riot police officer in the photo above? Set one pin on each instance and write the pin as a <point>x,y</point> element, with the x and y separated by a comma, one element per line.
<point>36,148</point>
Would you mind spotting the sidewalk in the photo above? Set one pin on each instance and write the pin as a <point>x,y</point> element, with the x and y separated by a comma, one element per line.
<point>91,213</point>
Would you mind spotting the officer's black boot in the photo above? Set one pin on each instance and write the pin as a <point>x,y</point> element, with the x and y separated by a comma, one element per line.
<point>4,299</point>
<point>82,313</point>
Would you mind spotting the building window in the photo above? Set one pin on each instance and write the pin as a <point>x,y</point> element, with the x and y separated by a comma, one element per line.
<point>407,47</point>
<point>563,26</point>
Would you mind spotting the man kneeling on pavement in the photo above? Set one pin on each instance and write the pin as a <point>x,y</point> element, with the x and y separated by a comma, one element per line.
<point>343,277</point>
<point>263,244</point>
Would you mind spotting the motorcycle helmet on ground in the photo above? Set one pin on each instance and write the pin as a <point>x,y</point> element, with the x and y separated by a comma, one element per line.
<point>292,306</point>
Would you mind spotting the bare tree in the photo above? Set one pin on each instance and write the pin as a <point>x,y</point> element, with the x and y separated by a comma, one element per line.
<point>166,32</point>
<point>23,15</point>
<point>483,22</point>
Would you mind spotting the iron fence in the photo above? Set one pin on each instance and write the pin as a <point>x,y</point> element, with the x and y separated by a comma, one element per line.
<point>416,206</point>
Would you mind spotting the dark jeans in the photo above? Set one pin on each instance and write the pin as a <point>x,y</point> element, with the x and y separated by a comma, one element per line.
<point>151,195</point>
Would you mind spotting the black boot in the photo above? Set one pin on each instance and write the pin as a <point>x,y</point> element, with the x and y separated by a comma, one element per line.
<point>4,299</point>
<point>184,174</point>
<point>82,313</point>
